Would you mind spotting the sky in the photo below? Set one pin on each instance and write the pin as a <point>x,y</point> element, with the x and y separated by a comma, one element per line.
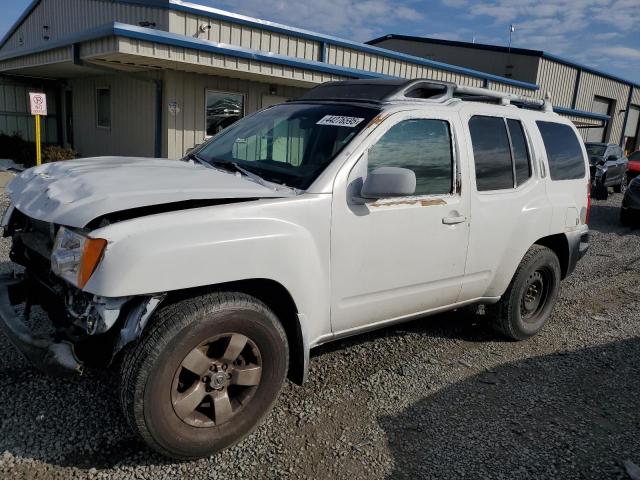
<point>603,34</point>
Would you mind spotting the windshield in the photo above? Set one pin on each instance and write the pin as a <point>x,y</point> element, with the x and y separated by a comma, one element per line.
<point>596,150</point>
<point>290,144</point>
<point>635,157</point>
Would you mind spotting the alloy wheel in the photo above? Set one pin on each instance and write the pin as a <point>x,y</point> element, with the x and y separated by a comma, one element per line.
<point>216,380</point>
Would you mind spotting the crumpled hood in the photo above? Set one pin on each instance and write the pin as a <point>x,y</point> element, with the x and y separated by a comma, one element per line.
<point>75,192</point>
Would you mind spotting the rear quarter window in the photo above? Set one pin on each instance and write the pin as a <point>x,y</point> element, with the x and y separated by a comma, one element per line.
<point>563,151</point>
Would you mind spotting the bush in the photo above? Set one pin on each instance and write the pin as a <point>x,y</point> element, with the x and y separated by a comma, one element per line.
<point>54,153</point>
<point>21,151</point>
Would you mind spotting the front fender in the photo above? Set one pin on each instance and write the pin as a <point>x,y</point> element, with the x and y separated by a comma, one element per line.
<point>284,240</point>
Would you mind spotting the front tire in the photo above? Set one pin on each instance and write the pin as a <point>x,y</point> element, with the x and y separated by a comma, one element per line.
<point>527,304</point>
<point>205,373</point>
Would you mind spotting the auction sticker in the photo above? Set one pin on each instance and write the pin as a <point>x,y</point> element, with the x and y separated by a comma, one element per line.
<point>339,121</point>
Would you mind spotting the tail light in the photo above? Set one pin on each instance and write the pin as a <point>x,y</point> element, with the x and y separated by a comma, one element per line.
<point>586,218</point>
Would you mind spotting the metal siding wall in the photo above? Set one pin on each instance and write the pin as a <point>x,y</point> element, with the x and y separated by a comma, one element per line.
<point>176,58</point>
<point>557,79</point>
<point>635,98</point>
<point>243,36</point>
<point>187,128</point>
<point>65,17</point>
<point>592,85</point>
<point>14,111</point>
<point>502,87</point>
<point>132,117</point>
<point>351,58</point>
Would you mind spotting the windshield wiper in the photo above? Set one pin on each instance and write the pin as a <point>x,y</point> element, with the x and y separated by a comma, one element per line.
<point>194,156</point>
<point>229,165</point>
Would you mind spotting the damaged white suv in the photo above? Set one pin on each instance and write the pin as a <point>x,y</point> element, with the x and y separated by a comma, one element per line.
<point>362,204</point>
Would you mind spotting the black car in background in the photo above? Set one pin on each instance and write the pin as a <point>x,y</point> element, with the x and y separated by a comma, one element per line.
<point>608,167</point>
<point>630,212</point>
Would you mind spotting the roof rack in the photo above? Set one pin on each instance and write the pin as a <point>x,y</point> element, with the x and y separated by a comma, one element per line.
<point>431,91</point>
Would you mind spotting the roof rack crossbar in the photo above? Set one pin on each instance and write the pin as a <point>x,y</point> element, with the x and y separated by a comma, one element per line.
<point>505,98</point>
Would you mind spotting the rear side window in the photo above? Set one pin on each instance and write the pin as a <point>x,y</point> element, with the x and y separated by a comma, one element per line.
<point>521,162</point>
<point>491,153</point>
<point>563,151</point>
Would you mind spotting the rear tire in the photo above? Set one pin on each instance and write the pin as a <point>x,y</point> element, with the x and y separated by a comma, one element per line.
<point>527,304</point>
<point>622,187</point>
<point>230,339</point>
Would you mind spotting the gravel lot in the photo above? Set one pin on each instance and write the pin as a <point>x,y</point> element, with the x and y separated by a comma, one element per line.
<point>438,398</point>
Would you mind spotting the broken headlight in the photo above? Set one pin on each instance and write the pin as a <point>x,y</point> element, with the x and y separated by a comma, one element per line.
<point>75,256</point>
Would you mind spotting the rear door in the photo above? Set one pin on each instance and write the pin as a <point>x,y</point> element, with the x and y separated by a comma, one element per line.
<point>509,202</point>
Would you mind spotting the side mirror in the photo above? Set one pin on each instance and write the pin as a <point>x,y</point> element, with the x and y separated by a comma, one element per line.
<point>389,182</point>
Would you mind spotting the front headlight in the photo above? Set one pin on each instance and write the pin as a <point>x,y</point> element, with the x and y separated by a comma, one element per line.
<point>76,256</point>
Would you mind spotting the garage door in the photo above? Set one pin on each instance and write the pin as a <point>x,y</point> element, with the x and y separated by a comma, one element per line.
<point>603,106</point>
<point>631,130</point>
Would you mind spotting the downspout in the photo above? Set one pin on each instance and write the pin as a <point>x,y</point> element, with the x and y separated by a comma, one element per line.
<point>158,123</point>
<point>574,100</point>
<point>626,116</point>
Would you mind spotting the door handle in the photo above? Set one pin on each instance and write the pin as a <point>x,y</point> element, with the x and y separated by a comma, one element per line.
<point>454,220</point>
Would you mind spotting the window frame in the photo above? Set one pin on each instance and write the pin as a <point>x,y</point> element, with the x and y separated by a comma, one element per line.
<point>530,151</point>
<point>108,89</point>
<point>455,178</point>
<point>224,92</point>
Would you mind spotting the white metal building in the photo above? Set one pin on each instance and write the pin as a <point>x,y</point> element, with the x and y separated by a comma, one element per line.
<point>156,77</point>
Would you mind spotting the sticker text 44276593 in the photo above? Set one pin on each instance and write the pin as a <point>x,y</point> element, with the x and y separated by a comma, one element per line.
<point>340,121</point>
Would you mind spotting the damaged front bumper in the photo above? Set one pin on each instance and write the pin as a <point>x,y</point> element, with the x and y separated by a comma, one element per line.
<point>45,353</point>
<point>52,356</point>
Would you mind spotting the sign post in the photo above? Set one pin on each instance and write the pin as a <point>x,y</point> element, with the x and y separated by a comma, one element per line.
<point>38,103</point>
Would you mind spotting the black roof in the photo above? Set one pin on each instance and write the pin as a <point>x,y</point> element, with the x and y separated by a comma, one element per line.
<point>455,43</point>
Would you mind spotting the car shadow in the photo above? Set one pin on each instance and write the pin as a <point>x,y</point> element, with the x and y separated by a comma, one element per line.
<point>568,415</point>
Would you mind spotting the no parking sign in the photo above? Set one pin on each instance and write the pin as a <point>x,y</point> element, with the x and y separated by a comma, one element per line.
<point>38,103</point>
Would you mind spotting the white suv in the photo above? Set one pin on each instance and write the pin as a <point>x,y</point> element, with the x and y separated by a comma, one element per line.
<point>362,204</point>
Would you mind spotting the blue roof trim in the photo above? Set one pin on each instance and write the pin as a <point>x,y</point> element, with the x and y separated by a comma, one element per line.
<point>586,68</point>
<point>178,5</point>
<point>92,34</point>
<point>19,21</point>
<point>35,3</point>
<point>166,38</point>
<point>581,113</point>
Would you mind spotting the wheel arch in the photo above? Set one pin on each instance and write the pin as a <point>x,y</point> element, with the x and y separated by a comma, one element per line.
<point>559,244</point>
<point>277,298</point>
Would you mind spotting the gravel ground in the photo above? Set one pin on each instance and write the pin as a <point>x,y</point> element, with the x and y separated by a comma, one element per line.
<point>438,398</point>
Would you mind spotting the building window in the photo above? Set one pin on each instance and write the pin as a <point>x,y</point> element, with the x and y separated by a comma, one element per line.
<point>564,154</point>
<point>423,146</point>
<point>103,107</point>
<point>222,109</point>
